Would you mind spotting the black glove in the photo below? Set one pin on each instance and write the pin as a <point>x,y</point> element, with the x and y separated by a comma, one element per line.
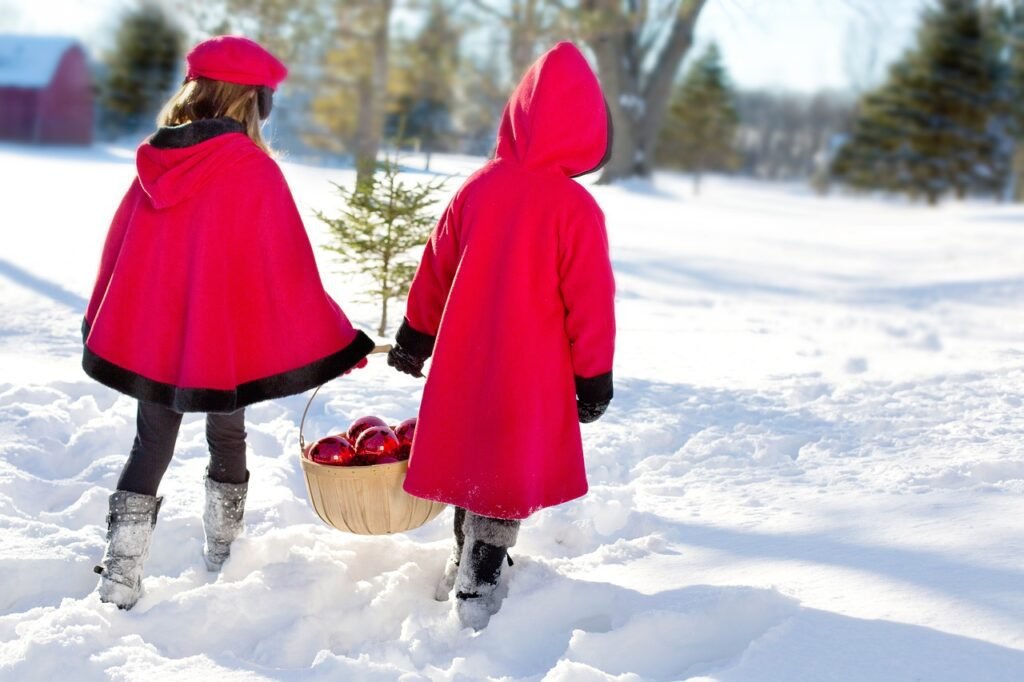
<point>590,412</point>
<point>592,396</point>
<point>406,362</point>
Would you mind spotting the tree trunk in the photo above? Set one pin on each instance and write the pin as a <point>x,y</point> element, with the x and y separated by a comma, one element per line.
<point>373,92</point>
<point>696,182</point>
<point>620,78</point>
<point>1018,173</point>
<point>383,328</point>
<point>639,100</point>
<point>523,29</point>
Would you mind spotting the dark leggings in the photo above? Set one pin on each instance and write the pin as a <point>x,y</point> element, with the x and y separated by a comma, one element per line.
<point>156,434</point>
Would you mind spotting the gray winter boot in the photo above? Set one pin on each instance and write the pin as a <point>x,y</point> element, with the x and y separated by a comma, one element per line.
<point>451,568</point>
<point>222,519</point>
<point>447,581</point>
<point>130,524</point>
<point>485,550</point>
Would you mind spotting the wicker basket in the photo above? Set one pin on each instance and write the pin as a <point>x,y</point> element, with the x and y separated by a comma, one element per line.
<point>367,500</point>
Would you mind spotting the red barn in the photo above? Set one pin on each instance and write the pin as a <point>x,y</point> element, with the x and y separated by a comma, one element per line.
<point>46,94</point>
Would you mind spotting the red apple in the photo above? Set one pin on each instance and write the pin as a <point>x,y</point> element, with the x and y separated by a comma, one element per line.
<point>333,451</point>
<point>361,424</point>
<point>376,442</point>
<point>404,432</point>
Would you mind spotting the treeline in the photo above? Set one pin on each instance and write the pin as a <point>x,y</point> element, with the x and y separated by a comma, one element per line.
<point>949,119</point>
<point>435,73</point>
<point>438,71</point>
<point>712,127</point>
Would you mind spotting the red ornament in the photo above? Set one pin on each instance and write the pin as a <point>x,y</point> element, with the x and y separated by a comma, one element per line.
<point>363,423</point>
<point>387,460</point>
<point>332,451</point>
<point>376,442</point>
<point>404,432</point>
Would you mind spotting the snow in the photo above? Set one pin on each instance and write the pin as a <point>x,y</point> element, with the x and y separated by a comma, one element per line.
<point>812,469</point>
<point>30,61</point>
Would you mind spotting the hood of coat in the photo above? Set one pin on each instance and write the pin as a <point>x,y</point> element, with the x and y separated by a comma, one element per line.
<point>176,162</point>
<point>557,116</point>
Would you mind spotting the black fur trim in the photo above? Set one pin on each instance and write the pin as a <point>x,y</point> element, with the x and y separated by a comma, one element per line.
<point>608,147</point>
<point>595,389</point>
<point>216,400</point>
<point>414,342</point>
<point>197,132</point>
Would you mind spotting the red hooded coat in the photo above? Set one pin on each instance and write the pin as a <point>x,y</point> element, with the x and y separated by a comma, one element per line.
<point>208,297</point>
<point>516,288</point>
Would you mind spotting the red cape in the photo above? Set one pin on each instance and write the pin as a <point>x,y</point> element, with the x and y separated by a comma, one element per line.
<point>516,288</point>
<point>208,298</point>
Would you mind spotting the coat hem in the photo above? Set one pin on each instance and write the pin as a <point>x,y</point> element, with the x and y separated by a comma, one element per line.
<point>490,513</point>
<point>224,400</point>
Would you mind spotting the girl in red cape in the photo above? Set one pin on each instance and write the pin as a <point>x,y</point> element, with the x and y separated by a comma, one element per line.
<point>514,298</point>
<point>208,299</point>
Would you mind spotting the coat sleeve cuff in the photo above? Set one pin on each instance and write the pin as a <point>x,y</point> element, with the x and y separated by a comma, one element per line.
<point>415,342</point>
<point>595,389</point>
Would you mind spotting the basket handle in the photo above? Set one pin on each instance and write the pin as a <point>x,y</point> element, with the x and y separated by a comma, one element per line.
<point>385,348</point>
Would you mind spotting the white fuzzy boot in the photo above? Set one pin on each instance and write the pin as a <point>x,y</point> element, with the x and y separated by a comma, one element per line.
<point>130,523</point>
<point>451,567</point>
<point>484,552</point>
<point>222,519</point>
<point>447,581</point>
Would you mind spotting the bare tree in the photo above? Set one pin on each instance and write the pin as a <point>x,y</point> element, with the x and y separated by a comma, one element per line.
<point>372,90</point>
<point>337,49</point>
<point>860,56</point>
<point>786,136</point>
<point>639,46</point>
<point>528,23</point>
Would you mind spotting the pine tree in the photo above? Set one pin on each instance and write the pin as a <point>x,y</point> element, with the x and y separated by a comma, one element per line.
<point>929,130</point>
<point>384,220</point>
<point>700,131</point>
<point>142,67</point>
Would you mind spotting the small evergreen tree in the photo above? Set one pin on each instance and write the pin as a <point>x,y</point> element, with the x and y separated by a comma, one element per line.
<point>700,131</point>
<point>929,130</point>
<point>383,221</point>
<point>142,66</point>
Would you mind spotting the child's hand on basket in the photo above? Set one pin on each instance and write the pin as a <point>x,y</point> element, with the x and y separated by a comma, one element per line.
<point>359,365</point>
<point>406,362</point>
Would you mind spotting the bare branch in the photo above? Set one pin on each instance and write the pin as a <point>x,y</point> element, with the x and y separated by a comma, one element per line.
<point>486,7</point>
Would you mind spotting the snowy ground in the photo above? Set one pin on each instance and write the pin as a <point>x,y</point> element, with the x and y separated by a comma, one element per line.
<point>813,469</point>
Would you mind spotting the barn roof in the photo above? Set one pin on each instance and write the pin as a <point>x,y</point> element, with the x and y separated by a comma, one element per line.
<point>31,61</point>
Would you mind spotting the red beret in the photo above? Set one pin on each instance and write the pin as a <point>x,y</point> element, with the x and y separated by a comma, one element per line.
<point>233,59</point>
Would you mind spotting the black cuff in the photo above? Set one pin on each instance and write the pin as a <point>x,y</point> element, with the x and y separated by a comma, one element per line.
<point>414,342</point>
<point>595,389</point>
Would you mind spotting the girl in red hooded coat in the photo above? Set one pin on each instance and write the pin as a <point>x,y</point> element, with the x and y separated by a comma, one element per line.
<point>208,299</point>
<point>514,299</point>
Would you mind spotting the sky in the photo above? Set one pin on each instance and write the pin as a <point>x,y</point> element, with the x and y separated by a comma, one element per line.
<point>796,45</point>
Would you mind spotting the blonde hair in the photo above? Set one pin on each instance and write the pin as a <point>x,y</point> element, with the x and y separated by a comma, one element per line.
<point>205,98</point>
